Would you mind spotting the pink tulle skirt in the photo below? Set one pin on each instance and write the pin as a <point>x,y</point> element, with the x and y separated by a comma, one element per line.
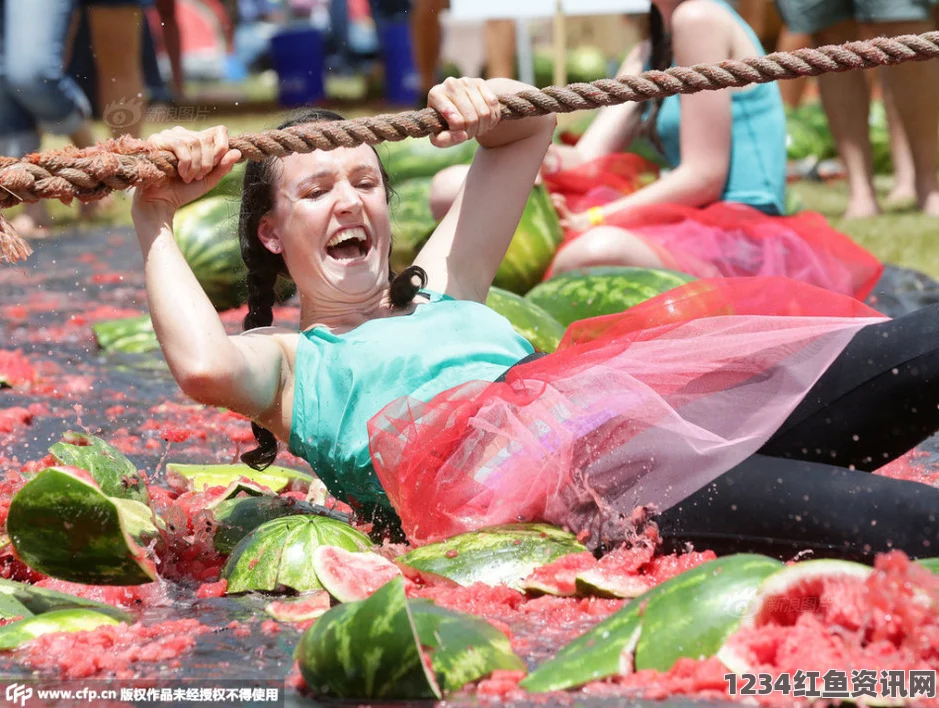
<point>637,409</point>
<point>722,239</point>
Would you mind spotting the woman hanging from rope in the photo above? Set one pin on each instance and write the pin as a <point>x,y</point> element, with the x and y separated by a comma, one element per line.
<point>422,407</point>
<point>720,210</point>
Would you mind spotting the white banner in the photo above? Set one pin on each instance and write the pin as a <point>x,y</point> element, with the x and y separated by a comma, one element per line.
<point>524,9</point>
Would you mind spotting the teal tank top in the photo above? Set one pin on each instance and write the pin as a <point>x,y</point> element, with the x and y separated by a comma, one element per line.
<point>757,175</point>
<point>342,380</point>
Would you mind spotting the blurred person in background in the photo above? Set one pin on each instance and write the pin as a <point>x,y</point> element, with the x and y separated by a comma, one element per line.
<point>911,96</point>
<point>426,36</point>
<point>37,94</point>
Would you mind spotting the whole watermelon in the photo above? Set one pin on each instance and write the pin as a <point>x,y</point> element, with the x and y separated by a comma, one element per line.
<point>534,324</point>
<point>592,292</point>
<point>533,246</point>
<point>418,157</point>
<point>207,233</point>
<point>411,221</point>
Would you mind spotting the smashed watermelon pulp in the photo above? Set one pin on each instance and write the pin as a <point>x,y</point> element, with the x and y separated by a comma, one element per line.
<point>185,626</point>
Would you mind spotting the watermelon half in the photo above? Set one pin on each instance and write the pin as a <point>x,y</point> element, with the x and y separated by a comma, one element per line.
<point>130,335</point>
<point>278,554</point>
<point>352,576</point>
<point>605,290</point>
<point>61,524</point>
<point>536,240</point>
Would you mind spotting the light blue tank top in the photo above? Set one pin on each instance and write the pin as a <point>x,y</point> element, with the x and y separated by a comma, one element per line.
<point>757,175</point>
<point>343,380</point>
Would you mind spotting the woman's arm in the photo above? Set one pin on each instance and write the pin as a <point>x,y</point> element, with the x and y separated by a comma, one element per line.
<point>463,254</point>
<point>243,373</point>
<point>700,35</point>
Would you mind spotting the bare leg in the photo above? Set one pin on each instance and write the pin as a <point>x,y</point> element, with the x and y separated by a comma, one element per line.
<point>115,36</point>
<point>846,98</point>
<point>914,87</point>
<point>793,90</point>
<point>904,173</point>
<point>500,49</point>
<point>425,32</point>
<point>605,245</point>
<point>172,42</point>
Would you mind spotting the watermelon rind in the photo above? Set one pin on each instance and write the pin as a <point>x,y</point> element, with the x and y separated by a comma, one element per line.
<point>598,582</point>
<point>499,555</point>
<point>277,555</point>
<point>64,526</point>
<point>185,477</point>
<point>367,650</point>
<point>931,564</point>
<point>412,221</point>
<point>11,608</point>
<point>72,620</point>
<point>603,290</point>
<point>701,610</point>
<point>130,335</point>
<point>413,158</point>
<point>301,608</point>
<point>42,600</point>
<point>463,648</point>
<point>348,575</point>
<point>608,648</point>
<point>115,474</point>
<point>236,518</point>
<point>528,319</point>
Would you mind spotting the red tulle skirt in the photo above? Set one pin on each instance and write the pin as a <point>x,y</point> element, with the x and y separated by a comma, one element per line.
<point>722,239</point>
<point>635,409</point>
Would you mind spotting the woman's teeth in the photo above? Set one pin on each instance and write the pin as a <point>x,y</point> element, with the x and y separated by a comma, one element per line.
<point>348,244</point>
<point>357,234</point>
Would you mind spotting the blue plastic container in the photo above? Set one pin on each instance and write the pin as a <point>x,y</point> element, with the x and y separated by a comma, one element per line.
<point>299,59</point>
<point>402,81</point>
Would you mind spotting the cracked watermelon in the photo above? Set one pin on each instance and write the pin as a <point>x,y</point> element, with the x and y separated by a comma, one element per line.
<point>115,474</point>
<point>534,324</point>
<point>278,554</point>
<point>184,477</point>
<point>605,290</point>
<point>207,234</point>
<point>62,525</point>
<point>351,576</point>
<point>501,555</point>
<point>689,615</point>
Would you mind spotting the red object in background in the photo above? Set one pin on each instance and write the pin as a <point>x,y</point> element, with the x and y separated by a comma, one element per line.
<point>204,27</point>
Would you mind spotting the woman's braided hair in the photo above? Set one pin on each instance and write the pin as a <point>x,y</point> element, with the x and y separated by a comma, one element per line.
<point>660,59</point>
<point>264,267</point>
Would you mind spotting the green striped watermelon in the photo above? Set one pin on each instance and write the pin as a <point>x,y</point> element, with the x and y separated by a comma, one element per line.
<point>412,221</point>
<point>207,233</point>
<point>534,324</point>
<point>73,620</point>
<point>606,290</point>
<point>418,157</point>
<point>62,525</point>
<point>37,601</point>
<point>691,614</point>
<point>131,335</point>
<point>115,474</point>
<point>533,246</point>
<point>500,555</point>
<point>278,554</point>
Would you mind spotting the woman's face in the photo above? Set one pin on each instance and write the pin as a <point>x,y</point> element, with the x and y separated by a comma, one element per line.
<point>330,221</point>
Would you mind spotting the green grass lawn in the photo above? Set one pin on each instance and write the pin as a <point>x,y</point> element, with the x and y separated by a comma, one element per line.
<point>900,237</point>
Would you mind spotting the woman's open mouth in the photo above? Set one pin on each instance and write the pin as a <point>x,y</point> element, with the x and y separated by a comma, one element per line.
<point>349,244</point>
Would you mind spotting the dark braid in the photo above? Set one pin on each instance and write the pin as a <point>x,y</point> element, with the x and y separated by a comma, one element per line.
<point>264,267</point>
<point>660,59</point>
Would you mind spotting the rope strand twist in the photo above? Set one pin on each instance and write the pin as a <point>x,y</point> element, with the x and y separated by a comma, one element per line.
<point>92,173</point>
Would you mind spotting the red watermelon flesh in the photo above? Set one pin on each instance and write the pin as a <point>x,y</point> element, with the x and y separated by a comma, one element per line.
<point>890,621</point>
<point>352,576</point>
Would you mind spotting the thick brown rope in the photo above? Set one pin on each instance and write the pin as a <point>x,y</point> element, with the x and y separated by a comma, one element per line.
<point>90,174</point>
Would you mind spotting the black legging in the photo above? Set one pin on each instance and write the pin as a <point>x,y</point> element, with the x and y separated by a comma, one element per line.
<point>878,400</point>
